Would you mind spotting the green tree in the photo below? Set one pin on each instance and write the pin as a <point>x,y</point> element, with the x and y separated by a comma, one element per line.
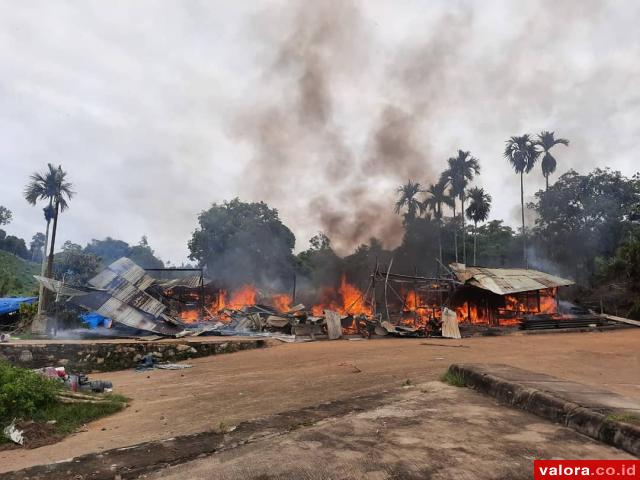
<point>461,170</point>
<point>108,249</point>
<point>52,187</point>
<point>5,215</point>
<point>408,198</point>
<point>522,155</point>
<point>437,197</point>
<point>583,217</point>
<point>143,255</point>
<point>242,242</point>
<point>477,211</point>
<point>546,140</point>
<point>497,245</point>
<point>76,266</point>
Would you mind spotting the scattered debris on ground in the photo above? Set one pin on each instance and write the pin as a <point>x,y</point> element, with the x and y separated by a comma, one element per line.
<point>149,362</point>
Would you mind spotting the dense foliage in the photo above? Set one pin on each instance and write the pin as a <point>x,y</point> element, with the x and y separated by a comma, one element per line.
<point>583,218</point>
<point>243,242</point>
<point>23,392</point>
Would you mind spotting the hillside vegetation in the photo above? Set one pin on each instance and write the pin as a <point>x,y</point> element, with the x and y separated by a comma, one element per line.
<point>16,276</point>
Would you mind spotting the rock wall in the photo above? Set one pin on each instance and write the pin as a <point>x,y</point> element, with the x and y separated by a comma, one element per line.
<point>104,357</point>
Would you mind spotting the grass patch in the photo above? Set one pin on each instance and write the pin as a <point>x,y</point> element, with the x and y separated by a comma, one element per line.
<point>71,416</point>
<point>625,417</point>
<point>32,399</point>
<point>453,378</point>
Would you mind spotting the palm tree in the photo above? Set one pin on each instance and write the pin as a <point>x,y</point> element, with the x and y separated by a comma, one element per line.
<point>408,199</point>
<point>437,197</point>
<point>460,172</point>
<point>52,187</point>
<point>477,211</point>
<point>522,155</point>
<point>547,140</point>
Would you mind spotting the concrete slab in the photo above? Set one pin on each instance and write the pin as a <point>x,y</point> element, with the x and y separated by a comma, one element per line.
<point>588,409</point>
<point>429,430</point>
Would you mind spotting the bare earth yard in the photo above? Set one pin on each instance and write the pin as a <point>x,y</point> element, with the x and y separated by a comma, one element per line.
<point>235,387</point>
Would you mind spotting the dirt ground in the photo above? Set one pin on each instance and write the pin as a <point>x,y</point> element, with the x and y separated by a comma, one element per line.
<point>428,431</point>
<point>234,387</point>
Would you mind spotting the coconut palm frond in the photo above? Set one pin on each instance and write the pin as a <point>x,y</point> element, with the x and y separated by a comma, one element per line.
<point>521,153</point>
<point>479,205</point>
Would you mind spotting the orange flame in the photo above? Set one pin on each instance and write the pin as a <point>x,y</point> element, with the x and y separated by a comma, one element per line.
<point>351,300</point>
<point>282,302</point>
<point>246,295</point>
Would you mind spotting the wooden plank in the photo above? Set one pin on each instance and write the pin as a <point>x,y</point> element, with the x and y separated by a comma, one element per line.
<point>628,321</point>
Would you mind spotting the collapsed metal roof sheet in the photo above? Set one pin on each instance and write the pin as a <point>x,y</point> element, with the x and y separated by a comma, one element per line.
<point>123,290</point>
<point>118,311</point>
<point>131,272</point>
<point>505,281</point>
<point>118,293</point>
<point>192,281</point>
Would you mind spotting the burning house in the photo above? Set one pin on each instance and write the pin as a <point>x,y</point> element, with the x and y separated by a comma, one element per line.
<point>504,296</point>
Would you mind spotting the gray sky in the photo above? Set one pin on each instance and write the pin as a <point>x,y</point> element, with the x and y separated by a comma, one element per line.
<point>159,108</point>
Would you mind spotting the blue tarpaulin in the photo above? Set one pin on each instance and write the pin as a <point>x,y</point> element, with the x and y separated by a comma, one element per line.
<point>12,304</point>
<point>95,320</point>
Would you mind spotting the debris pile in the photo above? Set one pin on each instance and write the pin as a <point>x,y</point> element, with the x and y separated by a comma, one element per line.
<point>125,296</point>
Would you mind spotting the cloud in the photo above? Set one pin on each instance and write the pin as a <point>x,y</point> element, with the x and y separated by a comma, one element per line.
<point>319,108</point>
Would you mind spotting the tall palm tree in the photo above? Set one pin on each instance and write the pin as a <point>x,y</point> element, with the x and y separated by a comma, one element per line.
<point>437,197</point>
<point>477,211</point>
<point>461,170</point>
<point>408,198</point>
<point>546,140</point>
<point>52,187</point>
<point>522,154</point>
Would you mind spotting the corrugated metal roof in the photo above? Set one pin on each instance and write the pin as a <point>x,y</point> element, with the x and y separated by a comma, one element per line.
<point>192,281</point>
<point>131,272</point>
<point>123,290</point>
<point>504,281</point>
<point>118,311</point>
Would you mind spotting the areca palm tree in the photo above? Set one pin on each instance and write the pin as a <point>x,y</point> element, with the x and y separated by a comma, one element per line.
<point>461,170</point>
<point>437,198</point>
<point>522,154</point>
<point>546,140</point>
<point>408,198</point>
<point>52,187</point>
<point>477,211</point>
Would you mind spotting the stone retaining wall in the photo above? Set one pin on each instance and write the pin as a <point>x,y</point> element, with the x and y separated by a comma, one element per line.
<point>104,357</point>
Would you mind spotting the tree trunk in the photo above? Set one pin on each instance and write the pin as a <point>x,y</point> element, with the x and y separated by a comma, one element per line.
<point>475,241</point>
<point>440,240</point>
<point>53,241</point>
<point>43,269</point>
<point>464,235</point>
<point>546,177</point>
<point>524,234</point>
<point>455,230</point>
<point>38,325</point>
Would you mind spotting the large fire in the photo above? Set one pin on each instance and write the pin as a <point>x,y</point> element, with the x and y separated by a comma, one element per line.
<point>348,301</point>
<point>417,307</point>
<point>282,302</point>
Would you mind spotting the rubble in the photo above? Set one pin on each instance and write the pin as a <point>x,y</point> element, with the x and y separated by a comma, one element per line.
<point>13,434</point>
<point>125,296</point>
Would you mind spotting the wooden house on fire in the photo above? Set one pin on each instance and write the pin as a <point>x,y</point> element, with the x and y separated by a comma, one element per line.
<point>503,296</point>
